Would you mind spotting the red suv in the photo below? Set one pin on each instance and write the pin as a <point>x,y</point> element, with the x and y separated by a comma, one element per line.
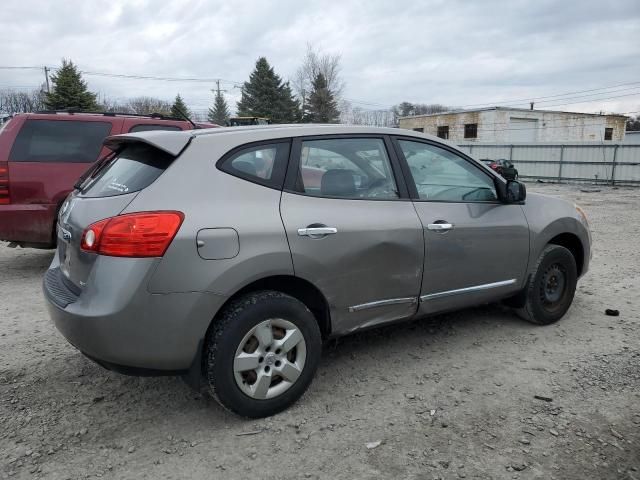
<point>41,157</point>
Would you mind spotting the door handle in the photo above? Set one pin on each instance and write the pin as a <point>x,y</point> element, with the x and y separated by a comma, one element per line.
<point>317,232</point>
<point>440,227</point>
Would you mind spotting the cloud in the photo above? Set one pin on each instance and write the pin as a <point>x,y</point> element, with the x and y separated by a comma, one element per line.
<point>452,52</point>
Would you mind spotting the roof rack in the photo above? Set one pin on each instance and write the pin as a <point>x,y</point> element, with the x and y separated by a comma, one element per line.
<point>71,111</point>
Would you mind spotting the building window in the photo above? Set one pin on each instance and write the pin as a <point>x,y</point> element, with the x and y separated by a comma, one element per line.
<point>608,133</point>
<point>443,132</point>
<point>421,130</point>
<point>470,130</point>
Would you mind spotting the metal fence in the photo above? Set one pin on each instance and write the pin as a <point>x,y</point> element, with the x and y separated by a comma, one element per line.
<point>608,163</point>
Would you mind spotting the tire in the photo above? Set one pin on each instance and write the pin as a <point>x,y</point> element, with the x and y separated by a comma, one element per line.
<point>239,339</point>
<point>550,291</point>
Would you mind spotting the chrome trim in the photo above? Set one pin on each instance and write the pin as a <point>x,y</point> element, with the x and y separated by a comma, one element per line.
<point>316,231</point>
<point>439,227</point>
<point>383,303</point>
<point>475,288</point>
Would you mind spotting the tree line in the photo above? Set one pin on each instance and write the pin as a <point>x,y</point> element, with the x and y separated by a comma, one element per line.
<point>313,96</point>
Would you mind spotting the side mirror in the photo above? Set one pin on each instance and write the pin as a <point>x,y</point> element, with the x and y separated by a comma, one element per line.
<point>516,192</point>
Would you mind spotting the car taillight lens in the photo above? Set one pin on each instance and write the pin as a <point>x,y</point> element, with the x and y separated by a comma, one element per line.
<point>4,183</point>
<point>141,234</point>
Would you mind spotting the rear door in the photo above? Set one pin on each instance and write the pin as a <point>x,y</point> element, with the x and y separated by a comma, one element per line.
<point>352,231</point>
<point>476,248</point>
<point>105,193</point>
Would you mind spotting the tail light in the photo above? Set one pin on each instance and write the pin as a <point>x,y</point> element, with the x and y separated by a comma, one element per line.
<point>140,234</point>
<point>4,183</point>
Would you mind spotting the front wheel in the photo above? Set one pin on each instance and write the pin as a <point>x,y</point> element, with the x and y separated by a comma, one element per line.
<point>262,353</point>
<point>552,286</point>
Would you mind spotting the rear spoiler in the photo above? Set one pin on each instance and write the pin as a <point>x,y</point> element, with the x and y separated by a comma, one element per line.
<point>168,141</point>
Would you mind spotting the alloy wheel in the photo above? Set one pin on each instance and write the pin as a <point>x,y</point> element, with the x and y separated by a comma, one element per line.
<point>269,359</point>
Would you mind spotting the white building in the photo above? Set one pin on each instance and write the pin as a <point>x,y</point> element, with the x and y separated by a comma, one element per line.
<point>516,125</point>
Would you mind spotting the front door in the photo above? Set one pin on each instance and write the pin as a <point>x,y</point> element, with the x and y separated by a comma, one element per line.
<point>476,248</point>
<point>351,232</point>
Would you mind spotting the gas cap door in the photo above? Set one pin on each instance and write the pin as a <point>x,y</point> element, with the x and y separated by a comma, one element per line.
<point>217,243</point>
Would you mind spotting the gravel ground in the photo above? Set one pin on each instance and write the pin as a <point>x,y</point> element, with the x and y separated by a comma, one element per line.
<point>447,397</point>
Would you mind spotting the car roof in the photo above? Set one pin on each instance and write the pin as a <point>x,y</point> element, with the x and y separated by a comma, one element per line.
<point>174,142</point>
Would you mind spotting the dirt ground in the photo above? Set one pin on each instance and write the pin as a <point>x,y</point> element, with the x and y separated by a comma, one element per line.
<point>447,397</point>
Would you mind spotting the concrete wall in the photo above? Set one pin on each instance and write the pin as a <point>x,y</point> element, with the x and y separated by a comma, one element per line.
<point>508,126</point>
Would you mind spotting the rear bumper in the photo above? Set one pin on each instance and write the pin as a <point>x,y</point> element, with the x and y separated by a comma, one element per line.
<point>117,323</point>
<point>25,223</point>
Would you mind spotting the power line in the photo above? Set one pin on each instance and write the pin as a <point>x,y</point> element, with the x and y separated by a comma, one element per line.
<point>152,77</point>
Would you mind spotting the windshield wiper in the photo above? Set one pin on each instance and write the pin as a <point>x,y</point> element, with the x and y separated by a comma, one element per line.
<point>93,171</point>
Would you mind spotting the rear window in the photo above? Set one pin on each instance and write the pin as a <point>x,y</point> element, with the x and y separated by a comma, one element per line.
<point>145,127</point>
<point>59,141</point>
<point>131,169</point>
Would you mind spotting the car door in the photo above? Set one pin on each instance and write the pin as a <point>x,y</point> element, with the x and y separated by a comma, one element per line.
<point>476,248</point>
<point>352,230</point>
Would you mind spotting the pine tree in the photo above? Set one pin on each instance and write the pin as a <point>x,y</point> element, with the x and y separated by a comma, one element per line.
<point>321,107</point>
<point>265,95</point>
<point>69,90</point>
<point>179,108</point>
<point>219,113</point>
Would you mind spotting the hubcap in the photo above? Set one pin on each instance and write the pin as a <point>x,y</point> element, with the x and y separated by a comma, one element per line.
<point>269,359</point>
<point>553,285</point>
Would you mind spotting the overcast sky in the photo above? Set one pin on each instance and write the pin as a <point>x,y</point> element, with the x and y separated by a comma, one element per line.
<point>458,53</point>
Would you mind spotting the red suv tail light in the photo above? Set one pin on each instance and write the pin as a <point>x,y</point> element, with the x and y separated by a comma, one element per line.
<point>141,234</point>
<point>4,183</point>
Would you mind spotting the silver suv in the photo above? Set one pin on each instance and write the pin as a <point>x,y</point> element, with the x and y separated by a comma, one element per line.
<point>229,255</point>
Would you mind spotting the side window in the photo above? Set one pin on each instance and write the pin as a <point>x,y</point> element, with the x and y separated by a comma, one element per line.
<point>441,175</point>
<point>59,141</point>
<point>264,164</point>
<point>346,168</point>
<point>145,127</point>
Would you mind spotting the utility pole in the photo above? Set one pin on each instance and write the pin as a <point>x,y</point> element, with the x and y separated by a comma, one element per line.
<point>46,77</point>
<point>218,87</point>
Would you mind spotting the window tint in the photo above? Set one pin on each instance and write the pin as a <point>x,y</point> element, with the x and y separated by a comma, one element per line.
<point>59,141</point>
<point>133,168</point>
<point>348,168</point>
<point>145,127</point>
<point>441,175</point>
<point>264,164</point>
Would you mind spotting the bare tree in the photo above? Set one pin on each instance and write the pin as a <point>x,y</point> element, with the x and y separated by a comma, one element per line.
<point>360,116</point>
<point>15,101</point>
<point>148,105</point>
<point>314,64</point>
<point>406,109</point>
<point>114,106</point>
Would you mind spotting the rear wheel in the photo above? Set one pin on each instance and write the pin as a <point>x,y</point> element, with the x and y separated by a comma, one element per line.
<point>552,286</point>
<point>262,353</point>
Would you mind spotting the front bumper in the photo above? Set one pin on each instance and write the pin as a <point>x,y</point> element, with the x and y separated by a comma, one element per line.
<point>117,323</point>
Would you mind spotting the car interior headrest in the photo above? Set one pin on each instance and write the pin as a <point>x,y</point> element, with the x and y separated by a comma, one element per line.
<point>338,182</point>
